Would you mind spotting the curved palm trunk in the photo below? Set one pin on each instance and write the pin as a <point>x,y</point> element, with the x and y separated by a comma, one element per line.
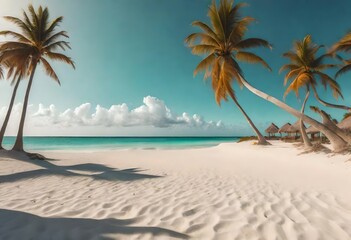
<point>337,142</point>
<point>304,135</point>
<point>19,139</point>
<point>331,125</point>
<point>8,114</point>
<point>324,103</point>
<point>261,139</point>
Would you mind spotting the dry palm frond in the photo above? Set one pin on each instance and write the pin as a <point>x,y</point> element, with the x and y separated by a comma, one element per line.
<point>251,58</point>
<point>205,64</point>
<point>222,43</point>
<point>301,80</point>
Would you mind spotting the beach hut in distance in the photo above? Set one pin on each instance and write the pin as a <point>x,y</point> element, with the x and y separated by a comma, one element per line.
<point>295,128</point>
<point>314,132</point>
<point>272,130</point>
<point>284,129</point>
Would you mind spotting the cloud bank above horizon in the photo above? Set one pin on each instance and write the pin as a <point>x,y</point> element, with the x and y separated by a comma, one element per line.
<point>153,117</point>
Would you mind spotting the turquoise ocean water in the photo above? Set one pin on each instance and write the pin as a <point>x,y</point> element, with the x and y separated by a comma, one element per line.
<point>72,143</point>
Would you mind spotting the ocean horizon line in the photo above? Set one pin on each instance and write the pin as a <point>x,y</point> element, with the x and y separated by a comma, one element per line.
<point>113,142</point>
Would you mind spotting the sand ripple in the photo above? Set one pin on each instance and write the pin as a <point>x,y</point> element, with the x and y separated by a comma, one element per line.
<point>205,206</point>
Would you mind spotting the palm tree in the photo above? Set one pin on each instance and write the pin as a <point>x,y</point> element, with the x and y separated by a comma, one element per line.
<point>306,70</point>
<point>210,39</point>
<point>37,42</point>
<point>344,45</point>
<point>224,45</point>
<point>16,73</point>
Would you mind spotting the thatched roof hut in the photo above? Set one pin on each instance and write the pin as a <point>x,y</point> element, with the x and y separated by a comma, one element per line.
<point>345,124</point>
<point>272,129</point>
<point>295,127</point>
<point>284,128</point>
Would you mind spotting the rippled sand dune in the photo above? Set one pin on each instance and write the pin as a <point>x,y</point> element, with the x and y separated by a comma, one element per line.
<point>232,191</point>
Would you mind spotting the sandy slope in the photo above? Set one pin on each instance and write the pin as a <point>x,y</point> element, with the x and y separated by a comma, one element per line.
<point>232,191</point>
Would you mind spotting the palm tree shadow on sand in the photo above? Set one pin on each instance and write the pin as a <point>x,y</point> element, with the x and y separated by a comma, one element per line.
<point>90,170</point>
<point>15,225</point>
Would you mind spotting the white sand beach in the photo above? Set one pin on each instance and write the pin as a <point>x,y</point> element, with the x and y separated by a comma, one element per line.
<point>231,191</point>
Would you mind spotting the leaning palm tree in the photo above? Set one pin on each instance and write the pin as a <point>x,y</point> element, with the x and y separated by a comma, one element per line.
<point>224,44</point>
<point>38,42</point>
<point>210,42</point>
<point>343,45</point>
<point>16,73</point>
<point>305,70</point>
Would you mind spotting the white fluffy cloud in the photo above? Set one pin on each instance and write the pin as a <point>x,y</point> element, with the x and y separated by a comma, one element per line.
<point>153,113</point>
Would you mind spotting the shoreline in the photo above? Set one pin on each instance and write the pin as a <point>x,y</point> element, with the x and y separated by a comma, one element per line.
<point>233,190</point>
<point>71,144</point>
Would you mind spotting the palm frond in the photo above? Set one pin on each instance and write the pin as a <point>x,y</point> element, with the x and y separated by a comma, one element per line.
<point>253,42</point>
<point>203,49</point>
<point>293,73</point>
<point>343,70</point>
<point>326,81</point>
<point>205,64</point>
<point>235,70</point>
<point>204,38</point>
<point>344,44</point>
<point>216,21</point>
<point>322,67</point>
<point>55,37</point>
<point>55,23</point>
<point>16,36</point>
<point>288,67</point>
<point>23,26</point>
<point>239,29</point>
<point>13,45</point>
<point>294,58</point>
<point>60,57</point>
<point>320,60</point>
<point>234,15</point>
<point>206,29</point>
<point>54,46</point>
<point>345,47</point>
<point>301,80</point>
<point>251,58</point>
<point>49,70</point>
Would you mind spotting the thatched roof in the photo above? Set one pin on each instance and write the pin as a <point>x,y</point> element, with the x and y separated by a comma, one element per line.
<point>312,129</point>
<point>345,124</point>
<point>272,128</point>
<point>295,127</point>
<point>284,128</point>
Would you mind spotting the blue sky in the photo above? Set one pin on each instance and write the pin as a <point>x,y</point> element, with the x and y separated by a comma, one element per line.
<point>126,50</point>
